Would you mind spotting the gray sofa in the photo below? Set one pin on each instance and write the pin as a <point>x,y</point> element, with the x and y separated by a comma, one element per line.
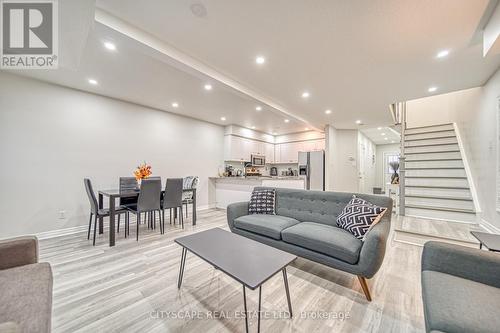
<point>460,289</point>
<point>305,225</point>
<point>26,287</point>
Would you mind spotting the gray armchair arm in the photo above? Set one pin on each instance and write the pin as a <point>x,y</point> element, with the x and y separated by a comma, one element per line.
<point>18,252</point>
<point>373,249</point>
<point>236,210</point>
<point>472,264</point>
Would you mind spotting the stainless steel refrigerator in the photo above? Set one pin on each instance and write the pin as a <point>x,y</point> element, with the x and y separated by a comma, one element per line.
<point>312,169</point>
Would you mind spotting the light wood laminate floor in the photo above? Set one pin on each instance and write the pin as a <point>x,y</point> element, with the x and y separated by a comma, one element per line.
<point>132,287</point>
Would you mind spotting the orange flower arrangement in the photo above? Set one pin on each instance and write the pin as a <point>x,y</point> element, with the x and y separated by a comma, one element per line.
<point>143,171</point>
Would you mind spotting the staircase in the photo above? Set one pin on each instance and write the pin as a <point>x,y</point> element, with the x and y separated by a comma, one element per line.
<point>435,179</point>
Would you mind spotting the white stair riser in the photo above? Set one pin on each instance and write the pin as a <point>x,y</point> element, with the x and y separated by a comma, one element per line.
<point>431,128</point>
<point>429,135</point>
<point>440,192</point>
<point>434,156</point>
<point>435,164</point>
<point>437,182</point>
<point>430,149</point>
<point>436,173</point>
<point>442,141</point>
<point>441,215</point>
<point>443,203</point>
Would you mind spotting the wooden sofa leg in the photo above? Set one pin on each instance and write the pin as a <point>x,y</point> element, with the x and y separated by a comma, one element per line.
<point>364,285</point>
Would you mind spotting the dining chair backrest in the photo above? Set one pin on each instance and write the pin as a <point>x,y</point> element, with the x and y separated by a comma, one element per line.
<point>173,193</point>
<point>189,182</point>
<point>149,195</point>
<point>128,184</point>
<point>90,193</point>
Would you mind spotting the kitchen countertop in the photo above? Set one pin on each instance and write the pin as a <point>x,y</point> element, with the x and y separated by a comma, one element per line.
<point>260,178</point>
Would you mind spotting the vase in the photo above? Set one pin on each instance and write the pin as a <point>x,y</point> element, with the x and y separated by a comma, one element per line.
<point>139,181</point>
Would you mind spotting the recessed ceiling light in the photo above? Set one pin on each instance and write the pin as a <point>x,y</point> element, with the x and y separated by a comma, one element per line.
<point>92,81</point>
<point>274,133</point>
<point>328,111</point>
<point>110,46</point>
<point>443,53</point>
<point>253,127</point>
<point>287,120</point>
<point>383,133</point>
<point>307,128</point>
<point>358,122</point>
<point>175,104</point>
<point>386,139</point>
<point>392,141</point>
<point>223,118</point>
<point>305,94</point>
<point>379,128</point>
<point>208,87</point>
<point>432,89</point>
<point>260,60</point>
<point>258,108</point>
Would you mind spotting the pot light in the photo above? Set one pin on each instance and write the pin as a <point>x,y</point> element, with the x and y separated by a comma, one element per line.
<point>287,120</point>
<point>379,128</point>
<point>253,127</point>
<point>358,122</point>
<point>260,60</point>
<point>208,87</point>
<point>258,108</point>
<point>386,139</point>
<point>305,94</point>
<point>328,111</point>
<point>175,104</point>
<point>432,89</point>
<point>92,81</point>
<point>392,141</point>
<point>223,118</point>
<point>306,129</point>
<point>110,46</point>
<point>443,54</point>
<point>274,133</point>
<point>383,133</point>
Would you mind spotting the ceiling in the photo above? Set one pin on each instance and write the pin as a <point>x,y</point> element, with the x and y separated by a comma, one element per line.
<point>353,57</point>
<point>382,135</point>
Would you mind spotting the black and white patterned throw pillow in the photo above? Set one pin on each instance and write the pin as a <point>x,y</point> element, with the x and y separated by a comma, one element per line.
<point>262,202</point>
<point>359,216</point>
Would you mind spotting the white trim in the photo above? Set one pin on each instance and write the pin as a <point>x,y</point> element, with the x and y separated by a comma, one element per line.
<point>84,228</point>
<point>487,226</point>
<point>468,172</point>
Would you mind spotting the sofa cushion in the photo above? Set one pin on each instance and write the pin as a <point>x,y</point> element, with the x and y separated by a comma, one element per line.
<point>332,241</point>
<point>26,297</point>
<point>266,225</point>
<point>454,304</point>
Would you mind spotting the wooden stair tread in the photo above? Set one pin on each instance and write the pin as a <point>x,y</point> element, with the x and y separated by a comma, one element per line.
<point>436,197</point>
<point>445,209</point>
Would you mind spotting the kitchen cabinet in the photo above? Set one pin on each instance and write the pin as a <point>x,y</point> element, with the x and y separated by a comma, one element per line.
<point>277,153</point>
<point>269,152</point>
<point>289,152</point>
<point>240,149</point>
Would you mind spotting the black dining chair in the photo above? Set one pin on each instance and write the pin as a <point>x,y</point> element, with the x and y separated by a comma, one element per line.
<point>147,202</point>
<point>94,208</point>
<point>190,182</point>
<point>172,199</point>
<point>127,184</point>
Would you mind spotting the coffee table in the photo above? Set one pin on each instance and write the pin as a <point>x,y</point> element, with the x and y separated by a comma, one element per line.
<point>491,241</point>
<point>249,262</point>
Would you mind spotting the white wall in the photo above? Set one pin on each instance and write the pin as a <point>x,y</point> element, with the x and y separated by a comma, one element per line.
<point>475,112</point>
<point>52,137</point>
<point>379,164</point>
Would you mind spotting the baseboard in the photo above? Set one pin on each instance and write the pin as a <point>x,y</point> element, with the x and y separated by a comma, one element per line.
<point>487,226</point>
<point>84,228</point>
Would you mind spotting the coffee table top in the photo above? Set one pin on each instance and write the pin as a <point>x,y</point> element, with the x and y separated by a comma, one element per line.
<point>491,241</point>
<point>247,261</point>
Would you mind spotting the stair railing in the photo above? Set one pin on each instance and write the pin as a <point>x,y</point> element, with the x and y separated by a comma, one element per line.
<point>398,112</point>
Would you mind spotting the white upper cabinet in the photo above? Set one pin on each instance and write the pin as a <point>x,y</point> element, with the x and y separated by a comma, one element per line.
<point>240,149</point>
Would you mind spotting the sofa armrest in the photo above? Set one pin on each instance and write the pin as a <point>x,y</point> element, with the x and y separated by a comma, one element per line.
<point>236,210</point>
<point>374,245</point>
<point>18,252</point>
<point>468,263</point>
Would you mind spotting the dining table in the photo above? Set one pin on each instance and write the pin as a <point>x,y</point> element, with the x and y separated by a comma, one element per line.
<point>114,194</point>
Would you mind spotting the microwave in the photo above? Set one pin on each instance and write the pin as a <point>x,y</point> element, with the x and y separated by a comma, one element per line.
<point>258,160</point>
